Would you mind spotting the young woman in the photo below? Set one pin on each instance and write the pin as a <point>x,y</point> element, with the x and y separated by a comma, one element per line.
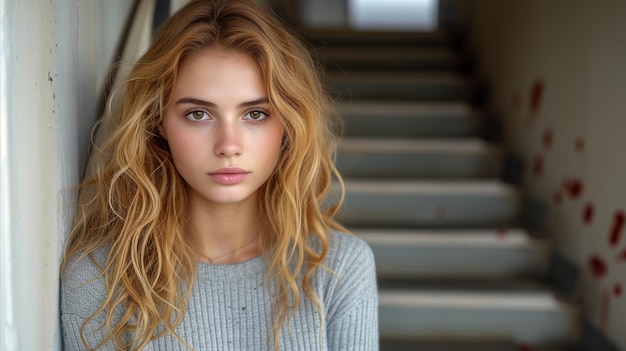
<point>202,226</point>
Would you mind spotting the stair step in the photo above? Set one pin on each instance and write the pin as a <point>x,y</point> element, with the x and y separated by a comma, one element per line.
<point>421,190</point>
<point>442,345</point>
<point>434,204</point>
<point>381,39</point>
<point>410,119</point>
<point>439,284</point>
<point>536,318</point>
<point>401,86</point>
<point>395,58</point>
<point>463,254</point>
<point>404,158</point>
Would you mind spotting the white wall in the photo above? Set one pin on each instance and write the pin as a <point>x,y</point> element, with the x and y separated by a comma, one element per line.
<point>572,54</point>
<point>55,56</point>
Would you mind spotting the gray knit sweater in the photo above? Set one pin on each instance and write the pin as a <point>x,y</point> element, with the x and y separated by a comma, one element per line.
<point>229,307</point>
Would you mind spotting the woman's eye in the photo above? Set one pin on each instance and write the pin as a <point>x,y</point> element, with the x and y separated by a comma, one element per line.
<point>256,115</point>
<point>197,116</point>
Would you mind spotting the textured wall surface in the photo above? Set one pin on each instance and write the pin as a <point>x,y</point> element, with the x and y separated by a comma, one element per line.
<point>558,79</point>
<point>55,57</point>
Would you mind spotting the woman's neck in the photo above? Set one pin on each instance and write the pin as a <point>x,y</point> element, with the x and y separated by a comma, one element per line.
<point>225,233</point>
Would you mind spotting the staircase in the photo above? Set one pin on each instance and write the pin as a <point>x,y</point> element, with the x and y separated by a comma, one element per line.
<point>457,270</point>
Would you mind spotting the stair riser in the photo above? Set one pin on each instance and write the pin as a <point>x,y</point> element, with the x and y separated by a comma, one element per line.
<point>390,59</point>
<point>363,40</point>
<point>445,345</point>
<point>536,327</point>
<point>380,43</point>
<point>428,211</point>
<point>459,262</point>
<point>356,125</point>
<point>431,65</point>
<point>443,165</point>
<point>377,59</point>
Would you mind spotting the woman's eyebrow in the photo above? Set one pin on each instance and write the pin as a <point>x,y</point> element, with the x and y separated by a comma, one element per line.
<point>190,100</point>
<point>194,101</point>
<point>260,101</point>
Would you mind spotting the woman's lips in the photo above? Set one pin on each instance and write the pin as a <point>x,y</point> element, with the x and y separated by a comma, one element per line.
<point>229,176</point>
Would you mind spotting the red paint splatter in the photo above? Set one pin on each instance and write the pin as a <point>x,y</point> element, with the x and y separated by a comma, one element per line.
<point>579,145</point>
<point>597,266</point>
<point>558,197</point>
<point>573,187</point>
<point>538,166</point>
<point>548,138</point>
<point>617,228</point>
<point>588,213</point>
<point>524,347</point>
<point>622,256</point>
<point>617,290</point>
<point>536,96</point>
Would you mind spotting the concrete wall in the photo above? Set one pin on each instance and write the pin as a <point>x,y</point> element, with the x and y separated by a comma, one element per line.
<point>55,56</point>
<point>558,78</point>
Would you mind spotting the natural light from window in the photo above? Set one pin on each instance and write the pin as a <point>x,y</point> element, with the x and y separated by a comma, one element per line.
<point>393,14</point>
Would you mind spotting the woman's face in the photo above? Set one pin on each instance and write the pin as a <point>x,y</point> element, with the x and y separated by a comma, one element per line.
<point>224,138</point>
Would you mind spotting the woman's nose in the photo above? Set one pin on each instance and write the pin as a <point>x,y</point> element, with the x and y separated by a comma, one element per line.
<point>228,140</point>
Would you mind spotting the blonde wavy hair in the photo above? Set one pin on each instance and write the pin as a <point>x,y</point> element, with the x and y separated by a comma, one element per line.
<point>135,202</point>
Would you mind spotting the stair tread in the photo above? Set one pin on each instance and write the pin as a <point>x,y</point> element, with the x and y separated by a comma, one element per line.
<point>438,284</point>
<point>408,187</point>
<point>399,145</point>
<point>468,255</point>
<point>416,109</point>
<point>448,345</point>
<point>459,237</point>
<point>400,77</point>
<point>473,300</point>
<point>370,35</point>
<point>411,119</point>
<point>530,317</point>
<point>419,158</point>
<point>375,54</point>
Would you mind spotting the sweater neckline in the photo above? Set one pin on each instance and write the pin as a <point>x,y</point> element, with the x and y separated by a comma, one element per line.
<point>231,271</point>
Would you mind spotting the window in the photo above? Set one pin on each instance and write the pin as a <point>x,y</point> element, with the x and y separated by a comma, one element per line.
<point>393,14</point>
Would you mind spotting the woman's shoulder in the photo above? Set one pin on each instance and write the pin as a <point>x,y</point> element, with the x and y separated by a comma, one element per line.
<point>346,250</point>
<point>341,242</point>
<point>82,284</point>
<point>351,279</point>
